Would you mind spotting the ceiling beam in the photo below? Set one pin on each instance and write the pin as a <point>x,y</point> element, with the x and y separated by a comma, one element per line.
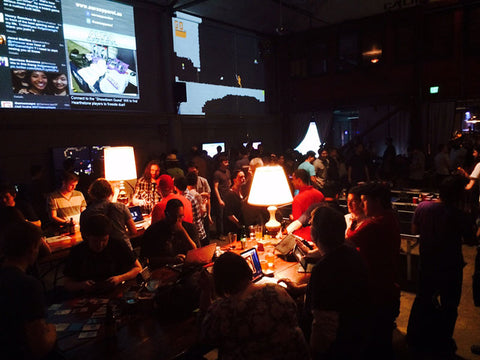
<point>302,11</point>
<point>187,5</point>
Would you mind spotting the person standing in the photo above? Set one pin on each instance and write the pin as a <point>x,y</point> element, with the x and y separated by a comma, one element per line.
<point>221,186</point>
<point>307,165</point>
<point>377,239</point>
<point>441,225</point>
<point>233,217</point>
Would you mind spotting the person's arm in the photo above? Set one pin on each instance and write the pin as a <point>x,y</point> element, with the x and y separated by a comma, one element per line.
<point>56,218</point>
<point>40,337</point>
<point>72,285</point>
<point>179,227</point>
<point>234,220</point>
<point>132,273</point>
<point>132,229</point>
<point>470,184</point>
<point>294,290</point>
<point>217,193</point>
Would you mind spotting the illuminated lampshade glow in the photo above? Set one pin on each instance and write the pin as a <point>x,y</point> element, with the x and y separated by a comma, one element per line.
<point>270,187</point>
<point>120,163</point>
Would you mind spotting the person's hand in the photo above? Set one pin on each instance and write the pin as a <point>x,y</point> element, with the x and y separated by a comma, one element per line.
<point>180,257</point>
<point>291,217</point>
<point>221,202</point>
<point>210,220</point>
<point>292,288</point>
<point>114,280</point>
<point>87,285</point>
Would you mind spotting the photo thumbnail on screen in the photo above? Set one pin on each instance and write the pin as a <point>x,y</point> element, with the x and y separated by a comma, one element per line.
<point>103,69</point>
<point>36,82</point>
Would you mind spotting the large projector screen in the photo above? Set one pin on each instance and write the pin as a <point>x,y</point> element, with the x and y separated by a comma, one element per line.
<point>68,54</point>
<point>221,67</point>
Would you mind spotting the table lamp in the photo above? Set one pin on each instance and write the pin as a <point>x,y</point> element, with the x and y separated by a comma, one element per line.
<point>270,188</point>
<point>120,166</point>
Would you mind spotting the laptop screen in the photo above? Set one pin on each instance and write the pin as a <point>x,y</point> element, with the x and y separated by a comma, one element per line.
<point>251,256</point>
<point>136,213</point>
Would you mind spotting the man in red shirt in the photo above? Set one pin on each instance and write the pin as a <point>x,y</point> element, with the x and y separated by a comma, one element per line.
<point>166,187</point>
<point>377,239</point>
<point>306,197</point>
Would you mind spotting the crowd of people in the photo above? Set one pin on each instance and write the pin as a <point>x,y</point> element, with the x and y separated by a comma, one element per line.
<point>349,306</point>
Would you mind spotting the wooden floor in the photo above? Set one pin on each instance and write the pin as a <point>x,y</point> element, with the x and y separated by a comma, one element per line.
<point>467,329</point>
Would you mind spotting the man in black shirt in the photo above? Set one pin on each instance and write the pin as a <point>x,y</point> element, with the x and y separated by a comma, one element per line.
<point>100,262</point>
<point>167,241</point>
<point>25,333</point>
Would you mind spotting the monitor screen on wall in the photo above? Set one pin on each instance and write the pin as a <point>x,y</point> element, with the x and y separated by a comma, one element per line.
<point>68,54</point>
<point>222,68</point>
<point>211,148</point>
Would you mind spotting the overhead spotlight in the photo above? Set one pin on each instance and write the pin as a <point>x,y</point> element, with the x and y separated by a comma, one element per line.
<point>281,30</point>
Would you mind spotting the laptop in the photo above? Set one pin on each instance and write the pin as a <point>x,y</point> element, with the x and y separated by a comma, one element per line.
<point>251,256</point>
<point>200,256</point>
<point>137,216</point>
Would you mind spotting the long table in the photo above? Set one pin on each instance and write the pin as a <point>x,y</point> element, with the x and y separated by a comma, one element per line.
<point>140,332</point>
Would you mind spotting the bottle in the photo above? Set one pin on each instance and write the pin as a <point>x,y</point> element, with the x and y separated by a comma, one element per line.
<point>71,227</point>
<point>243,237</point>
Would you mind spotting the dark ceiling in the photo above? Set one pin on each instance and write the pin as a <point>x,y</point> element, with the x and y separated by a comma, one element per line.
<point>279,17</point>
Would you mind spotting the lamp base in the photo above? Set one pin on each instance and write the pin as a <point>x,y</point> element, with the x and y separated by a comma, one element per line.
<point>272,226</point>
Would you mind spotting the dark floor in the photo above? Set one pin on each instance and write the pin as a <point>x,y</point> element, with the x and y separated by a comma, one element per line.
<point>467,329</point>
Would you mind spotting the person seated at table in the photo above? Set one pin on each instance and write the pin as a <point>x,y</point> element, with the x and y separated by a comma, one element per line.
<point>146,193</point>
<point>248,320</point>
<point>337,302</point>
<point>100,262</point>
<point>66,203</point>
<point>8,198</point>
<point>123,225</point>
<point>25,332</point>
<point>168,240</point>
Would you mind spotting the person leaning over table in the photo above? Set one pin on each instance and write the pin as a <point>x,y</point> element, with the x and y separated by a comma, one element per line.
<point>337,306</point>
<point>99,262</point>
<point>248,320</point>
<point>66,202</point>
<point>123,225</point>
<point>25,334</point>
<point>168,241</point>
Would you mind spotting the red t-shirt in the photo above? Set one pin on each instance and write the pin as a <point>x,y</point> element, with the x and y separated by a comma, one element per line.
<point>378,241</point>
<point>305,198</point>
<point>158,212</point>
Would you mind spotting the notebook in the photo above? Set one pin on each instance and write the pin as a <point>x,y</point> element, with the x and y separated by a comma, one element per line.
<point>251,256</point>
<point>137,216</point>
<point>201,256</point>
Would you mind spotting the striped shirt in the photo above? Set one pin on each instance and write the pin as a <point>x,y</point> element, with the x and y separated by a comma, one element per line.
<point>67,207</point>
<point>197,214</point>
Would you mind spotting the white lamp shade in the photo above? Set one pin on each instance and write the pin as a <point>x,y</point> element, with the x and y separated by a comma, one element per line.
<point>270,187</point>
<point>119,163</point>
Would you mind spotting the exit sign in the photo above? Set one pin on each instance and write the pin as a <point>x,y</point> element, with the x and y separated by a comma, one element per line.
<point>433,89</point>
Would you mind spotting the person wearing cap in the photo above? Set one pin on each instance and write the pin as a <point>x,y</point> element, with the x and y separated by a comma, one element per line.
<point>166,187</point>
<point>172,166</point>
